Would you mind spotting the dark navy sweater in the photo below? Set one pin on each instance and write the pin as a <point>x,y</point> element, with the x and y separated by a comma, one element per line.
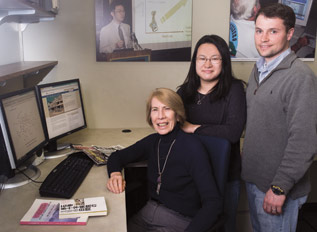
<point>224,118</point>
<point>188,186</point>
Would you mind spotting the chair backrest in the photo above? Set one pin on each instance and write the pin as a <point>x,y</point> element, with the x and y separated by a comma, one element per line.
<point>219,154</point>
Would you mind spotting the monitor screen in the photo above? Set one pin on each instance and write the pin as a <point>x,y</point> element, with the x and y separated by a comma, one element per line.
<point>22,127</point>
<point>63,108</point>
<point>301,9</point>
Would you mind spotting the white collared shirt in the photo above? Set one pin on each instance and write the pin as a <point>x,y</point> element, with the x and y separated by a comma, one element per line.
<point>265,68</point>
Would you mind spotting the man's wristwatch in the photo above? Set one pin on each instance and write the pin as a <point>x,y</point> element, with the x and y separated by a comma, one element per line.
<point>277,190</point>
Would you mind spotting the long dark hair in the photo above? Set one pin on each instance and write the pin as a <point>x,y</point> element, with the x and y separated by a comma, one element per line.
<point>192,81</point>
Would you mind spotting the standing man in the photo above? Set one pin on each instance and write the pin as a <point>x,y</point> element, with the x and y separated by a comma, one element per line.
<point>280,139</point>
<point>115,35</point>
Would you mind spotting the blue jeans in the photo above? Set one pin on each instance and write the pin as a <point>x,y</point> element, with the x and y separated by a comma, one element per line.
<point>264,222</point>
<point>231,204</point>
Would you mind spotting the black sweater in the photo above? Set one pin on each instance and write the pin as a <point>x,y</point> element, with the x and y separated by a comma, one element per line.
<point>223,118</point>
<point>184,179</point>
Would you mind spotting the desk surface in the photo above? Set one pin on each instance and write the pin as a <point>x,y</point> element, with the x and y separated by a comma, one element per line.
<point>14,203</point>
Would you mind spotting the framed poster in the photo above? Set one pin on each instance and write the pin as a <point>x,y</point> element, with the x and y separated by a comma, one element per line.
<point>143,30</point>
<point>242,27</point>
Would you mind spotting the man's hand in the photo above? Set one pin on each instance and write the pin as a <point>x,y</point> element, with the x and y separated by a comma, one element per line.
<point>120,44</point>
<point>116,183</point>
<point>273,203</point>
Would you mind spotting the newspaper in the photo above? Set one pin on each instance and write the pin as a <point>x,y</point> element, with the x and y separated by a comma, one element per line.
<point>109,150</point>
<point>98,154</point>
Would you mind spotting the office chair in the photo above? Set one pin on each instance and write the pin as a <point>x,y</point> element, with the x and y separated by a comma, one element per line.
<point>136,187</point>
<point>219,154</point>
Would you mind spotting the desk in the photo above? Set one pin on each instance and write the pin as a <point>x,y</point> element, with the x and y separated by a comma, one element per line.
<point>14,203</point>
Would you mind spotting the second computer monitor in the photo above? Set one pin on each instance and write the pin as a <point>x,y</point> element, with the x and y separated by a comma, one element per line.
<point>63,109</point>
<point>301,9</point>
<point>22,135</point>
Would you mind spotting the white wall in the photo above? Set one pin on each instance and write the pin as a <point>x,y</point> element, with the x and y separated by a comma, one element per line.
<point>9,43</point>
<point>115,93</point>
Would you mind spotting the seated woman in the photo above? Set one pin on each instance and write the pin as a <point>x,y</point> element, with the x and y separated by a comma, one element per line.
<point>183,193</point>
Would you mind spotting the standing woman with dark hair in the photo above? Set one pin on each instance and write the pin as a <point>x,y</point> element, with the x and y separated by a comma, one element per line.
<point>215,105</point>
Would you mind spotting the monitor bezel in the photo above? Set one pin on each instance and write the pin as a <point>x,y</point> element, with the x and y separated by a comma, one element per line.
<point>12,155</point>
<point>58,83</point>
<point>301,22</point>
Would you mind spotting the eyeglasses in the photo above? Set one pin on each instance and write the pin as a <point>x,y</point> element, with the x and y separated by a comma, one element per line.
<point>202,60</point>
<point>119,11</point>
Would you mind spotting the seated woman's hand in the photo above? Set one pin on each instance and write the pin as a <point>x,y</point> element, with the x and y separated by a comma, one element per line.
<point>116,183</point>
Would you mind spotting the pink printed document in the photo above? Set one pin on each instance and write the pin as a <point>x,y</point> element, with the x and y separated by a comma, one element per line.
<point>68,212</point>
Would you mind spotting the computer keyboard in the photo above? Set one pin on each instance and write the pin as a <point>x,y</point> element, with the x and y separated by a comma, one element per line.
<point>67,176</point>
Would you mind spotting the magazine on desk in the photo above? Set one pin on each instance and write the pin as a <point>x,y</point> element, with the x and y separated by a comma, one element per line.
<point>95,206</point>
<point>64,212</point>
<point>98,154</point>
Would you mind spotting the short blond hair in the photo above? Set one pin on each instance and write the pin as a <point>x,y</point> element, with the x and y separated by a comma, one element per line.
<point>169,98</point>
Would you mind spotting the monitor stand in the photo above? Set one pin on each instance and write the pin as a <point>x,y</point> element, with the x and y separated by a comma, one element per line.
<point>58,153</point>
<point>54,150</point>
<point>19,179</point>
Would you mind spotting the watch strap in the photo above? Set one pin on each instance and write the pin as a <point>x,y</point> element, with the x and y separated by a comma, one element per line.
<point>277,190</point>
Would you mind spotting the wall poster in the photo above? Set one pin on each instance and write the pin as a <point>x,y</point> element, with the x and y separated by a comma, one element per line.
<point>143,30</point>
<point>242,27</point>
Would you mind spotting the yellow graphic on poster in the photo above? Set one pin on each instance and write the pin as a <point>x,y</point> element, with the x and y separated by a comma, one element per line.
<point>173,10</point>
<point>163,24</point>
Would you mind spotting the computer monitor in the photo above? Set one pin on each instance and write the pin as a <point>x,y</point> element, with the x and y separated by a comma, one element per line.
<point>63,110</point>
<point>22,135</point>
<point>301,9</point>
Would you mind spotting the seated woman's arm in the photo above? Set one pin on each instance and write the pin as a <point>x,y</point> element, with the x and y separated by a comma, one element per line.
<point>116,183</point>
<point>119,159</point>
